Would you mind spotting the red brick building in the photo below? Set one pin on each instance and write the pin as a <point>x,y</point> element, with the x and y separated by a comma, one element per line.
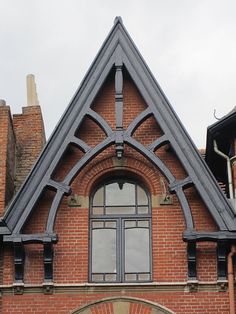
<point>120,213</point>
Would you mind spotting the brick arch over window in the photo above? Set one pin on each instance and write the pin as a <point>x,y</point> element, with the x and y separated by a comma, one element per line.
<point>135,168</point>
<point>123,305</point>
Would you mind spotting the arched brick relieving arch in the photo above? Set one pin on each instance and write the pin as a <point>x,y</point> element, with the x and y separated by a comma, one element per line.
<point>123,305</point>
<point>92,174</point>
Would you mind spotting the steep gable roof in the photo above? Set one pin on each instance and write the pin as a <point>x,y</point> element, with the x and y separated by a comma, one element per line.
<point>118,51</point>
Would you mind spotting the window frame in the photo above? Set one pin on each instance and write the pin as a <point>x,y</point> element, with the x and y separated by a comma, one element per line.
<point>120,220</point>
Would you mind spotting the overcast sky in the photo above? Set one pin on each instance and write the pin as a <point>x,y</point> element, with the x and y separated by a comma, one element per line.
<point>189,45</point>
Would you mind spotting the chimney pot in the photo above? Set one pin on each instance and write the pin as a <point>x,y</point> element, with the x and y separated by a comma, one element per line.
<point>2,102</point>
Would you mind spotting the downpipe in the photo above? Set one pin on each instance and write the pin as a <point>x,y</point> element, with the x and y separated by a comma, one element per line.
<point>229,171</point>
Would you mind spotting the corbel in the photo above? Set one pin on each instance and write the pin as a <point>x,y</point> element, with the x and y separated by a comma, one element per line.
<point>74,200</point>
<point>19,259</point>
<point>192,260</point>
<point>222,285</point>
<point>48,288</point>
<point>192,286</point>
<point>18,288</point>
<point>48,260</point>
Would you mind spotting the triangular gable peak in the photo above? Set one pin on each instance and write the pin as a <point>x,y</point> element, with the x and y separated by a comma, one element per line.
<point>119,54</point>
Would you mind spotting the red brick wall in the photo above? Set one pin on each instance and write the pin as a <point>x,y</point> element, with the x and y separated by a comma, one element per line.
<point>71,253</point>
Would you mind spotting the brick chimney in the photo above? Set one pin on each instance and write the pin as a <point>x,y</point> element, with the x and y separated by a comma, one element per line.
<point>29,133</point>
<point>21,141</point>
<point>7,156</point>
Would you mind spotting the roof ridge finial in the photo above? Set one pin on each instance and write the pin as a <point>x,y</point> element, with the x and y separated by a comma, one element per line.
<point>32,97</point>
<point>118,19</point>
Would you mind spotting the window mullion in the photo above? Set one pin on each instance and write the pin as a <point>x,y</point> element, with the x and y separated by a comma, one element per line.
<point>120,248</point>
<point>104,200</point>
<point>136,200</point>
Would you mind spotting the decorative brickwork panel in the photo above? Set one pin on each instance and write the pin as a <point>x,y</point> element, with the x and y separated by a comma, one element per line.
<point>138,308</point>
<point>103,308</point>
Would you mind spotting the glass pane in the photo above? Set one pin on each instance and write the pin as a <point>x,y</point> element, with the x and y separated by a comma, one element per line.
<point>120,210</point>
<point>110,224</point>
<point>142,196</point>
<point>143,277</point>
<point>98,210</point>
<point>130,224</point>
<point>97,277</point>
<point>142,210</point>
<point>137,250</point>
<point>97,224</point>
<point>130,277</point>
<point>120,194</point>
<point>103,251</point>
<point>110,277</point>
<point>98,199</point>
<point>143,223</point>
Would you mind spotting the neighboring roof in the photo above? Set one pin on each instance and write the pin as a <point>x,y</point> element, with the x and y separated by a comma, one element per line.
<point>117,51</point>
<point>224,133</point>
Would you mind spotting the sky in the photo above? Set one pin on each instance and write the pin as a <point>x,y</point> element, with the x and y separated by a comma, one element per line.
<point>189,45</point>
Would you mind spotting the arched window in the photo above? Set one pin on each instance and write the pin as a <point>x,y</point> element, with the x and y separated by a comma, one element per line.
<point>120,224</point>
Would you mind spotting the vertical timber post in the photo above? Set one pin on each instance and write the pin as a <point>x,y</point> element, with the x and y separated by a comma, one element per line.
<point>119,104</point>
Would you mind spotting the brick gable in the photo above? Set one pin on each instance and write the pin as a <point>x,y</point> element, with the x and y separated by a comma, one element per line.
<point>116,128</point>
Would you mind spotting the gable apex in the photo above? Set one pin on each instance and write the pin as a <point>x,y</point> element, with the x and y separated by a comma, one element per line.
<point>117,52</point>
